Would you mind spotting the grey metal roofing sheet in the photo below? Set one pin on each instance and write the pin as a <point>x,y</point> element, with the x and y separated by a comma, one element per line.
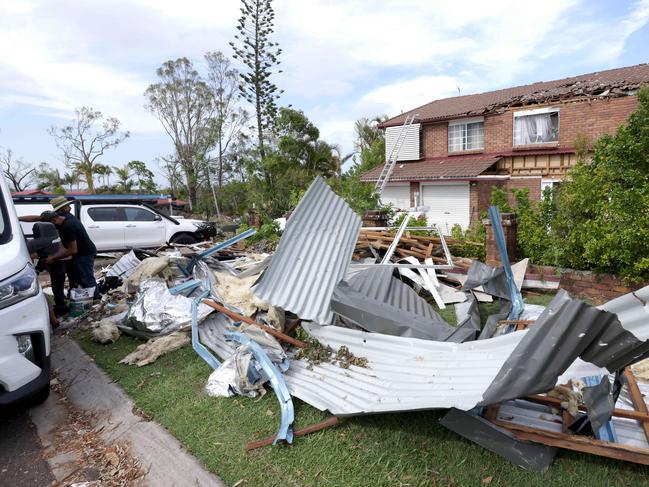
<point>312,256</point>
<point>408,373</point>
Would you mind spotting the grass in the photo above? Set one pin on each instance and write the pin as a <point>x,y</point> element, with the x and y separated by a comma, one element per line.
<point>391,449</point>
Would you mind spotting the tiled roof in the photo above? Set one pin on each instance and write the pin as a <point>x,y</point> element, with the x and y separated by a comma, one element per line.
<point>437,168</point>
<point>602,84</point>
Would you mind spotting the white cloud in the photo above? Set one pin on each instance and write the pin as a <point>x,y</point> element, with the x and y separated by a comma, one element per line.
<point>342,59</point>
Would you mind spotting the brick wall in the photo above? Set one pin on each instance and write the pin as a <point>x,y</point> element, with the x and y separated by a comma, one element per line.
<point>510,227</point>
<point>533,185</point>
<point>591,118</point>
<point>594,287</point>
<point>479,198</point>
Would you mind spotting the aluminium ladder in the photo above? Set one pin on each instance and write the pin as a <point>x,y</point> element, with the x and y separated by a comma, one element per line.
<point>388,167</point>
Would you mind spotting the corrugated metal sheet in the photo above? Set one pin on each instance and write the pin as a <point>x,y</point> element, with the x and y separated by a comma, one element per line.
<point>313,255</point>
<point>406,374</point>
<point>409,151</point>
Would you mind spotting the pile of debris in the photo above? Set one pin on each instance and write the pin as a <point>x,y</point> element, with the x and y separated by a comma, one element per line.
<point>529,380</point>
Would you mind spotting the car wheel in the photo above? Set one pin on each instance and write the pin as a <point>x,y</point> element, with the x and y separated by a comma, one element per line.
<point>40,397</point>
<point>184,239</point>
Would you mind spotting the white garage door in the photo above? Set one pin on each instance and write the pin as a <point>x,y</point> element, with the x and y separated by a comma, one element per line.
<point>397,196</point>
<point>449,205</point>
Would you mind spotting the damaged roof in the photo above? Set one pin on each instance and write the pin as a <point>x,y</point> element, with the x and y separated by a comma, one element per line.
<point>437,168</point>
<point>602,84</point>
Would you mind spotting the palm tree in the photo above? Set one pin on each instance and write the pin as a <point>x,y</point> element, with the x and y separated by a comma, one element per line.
<point>124,176</point>
<point>69,179</point>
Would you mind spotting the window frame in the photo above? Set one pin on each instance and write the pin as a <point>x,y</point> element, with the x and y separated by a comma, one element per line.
<point>465,122</point>
<point>534,112</point>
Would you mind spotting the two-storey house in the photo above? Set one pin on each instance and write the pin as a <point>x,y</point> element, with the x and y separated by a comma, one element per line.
<point>521,137</point>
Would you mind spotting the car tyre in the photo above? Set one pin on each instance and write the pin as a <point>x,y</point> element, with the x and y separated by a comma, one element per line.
<point>40,397</point>
<point>184,239</point>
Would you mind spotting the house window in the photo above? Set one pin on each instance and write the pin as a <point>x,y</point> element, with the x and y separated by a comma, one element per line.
<point>466,135</point>
<point>536,126</point>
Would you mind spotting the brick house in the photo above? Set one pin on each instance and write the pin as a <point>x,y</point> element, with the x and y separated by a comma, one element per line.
<point>521,137</point>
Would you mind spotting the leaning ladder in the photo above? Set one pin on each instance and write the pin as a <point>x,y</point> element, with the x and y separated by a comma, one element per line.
<point>388,167</point>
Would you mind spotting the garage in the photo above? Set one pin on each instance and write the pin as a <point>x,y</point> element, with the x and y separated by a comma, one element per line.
<point>398,195</point>
<point>448,204</point>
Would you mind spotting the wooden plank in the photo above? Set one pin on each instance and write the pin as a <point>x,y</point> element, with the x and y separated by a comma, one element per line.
<point>491,412</point>
<point>271,331</point>
<point>578,443</point>
<point>637,399</point>
<point>429,250</point>
<point>620,413</point>
<point>327,423</point>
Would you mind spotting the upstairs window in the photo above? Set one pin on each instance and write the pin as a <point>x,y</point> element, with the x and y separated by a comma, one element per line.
<point>466,135</point>
<point>536,126</point>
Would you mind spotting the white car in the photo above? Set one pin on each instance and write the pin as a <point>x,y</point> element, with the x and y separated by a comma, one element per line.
<point>117,226</point>
<point>24,315</point>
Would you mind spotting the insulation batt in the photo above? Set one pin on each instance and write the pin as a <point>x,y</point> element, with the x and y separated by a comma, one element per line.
<point>235,291</point>
<point>155,348</point>
<point>105,332</point>
<point>145,270</point>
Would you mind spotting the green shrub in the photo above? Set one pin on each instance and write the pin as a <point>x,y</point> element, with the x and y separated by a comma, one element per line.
<point>420,221</point>
<point>500,199</point>
<point>471,241</point>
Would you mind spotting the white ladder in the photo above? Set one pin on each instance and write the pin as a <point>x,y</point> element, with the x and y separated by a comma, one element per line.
<point>388,167</point>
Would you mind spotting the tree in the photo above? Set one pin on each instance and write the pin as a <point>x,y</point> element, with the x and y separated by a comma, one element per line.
<point>369,144</point>
<point>19,173</point>
<point>260,56</point>
<point>49,179</point>
<point>143,175</point>
<point>229,118</point>
<point>125,184</point>
<point>83,143</point>
<point>182,102</point>
<point>69,179</point>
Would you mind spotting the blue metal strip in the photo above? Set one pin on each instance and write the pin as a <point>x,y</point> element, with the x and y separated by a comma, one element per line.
<point>606,432</point>
<point>517,300</point>
<point>231,241</point>
<point>285,431</point>
<point>198,347</point>
<point>185,286</point>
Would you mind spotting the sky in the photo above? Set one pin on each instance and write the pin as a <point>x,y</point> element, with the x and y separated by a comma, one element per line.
<point>341,59</point>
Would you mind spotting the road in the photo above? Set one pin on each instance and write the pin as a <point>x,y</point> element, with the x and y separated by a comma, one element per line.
<point>21,452</point>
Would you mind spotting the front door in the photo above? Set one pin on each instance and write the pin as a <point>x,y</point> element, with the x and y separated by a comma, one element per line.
<point>144,228</point>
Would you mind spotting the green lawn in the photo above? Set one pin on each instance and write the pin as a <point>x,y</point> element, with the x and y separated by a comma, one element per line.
<point>391,449</point>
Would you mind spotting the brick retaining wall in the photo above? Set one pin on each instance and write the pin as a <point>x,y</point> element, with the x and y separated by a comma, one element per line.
<point>585,284</point>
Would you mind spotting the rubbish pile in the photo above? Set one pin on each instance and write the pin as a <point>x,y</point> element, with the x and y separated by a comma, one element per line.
<point>528,381</point>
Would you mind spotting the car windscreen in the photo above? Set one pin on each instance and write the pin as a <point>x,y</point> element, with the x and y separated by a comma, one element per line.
<point>5,224</point>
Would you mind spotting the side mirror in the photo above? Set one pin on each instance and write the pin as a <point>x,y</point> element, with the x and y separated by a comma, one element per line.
<point>157,218</point>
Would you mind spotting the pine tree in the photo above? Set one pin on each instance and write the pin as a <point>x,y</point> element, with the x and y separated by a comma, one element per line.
<point>260,56</point>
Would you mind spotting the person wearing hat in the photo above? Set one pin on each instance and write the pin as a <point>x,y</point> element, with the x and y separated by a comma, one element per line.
<point>76,243</point>
<point>58,271</point>
<point>60,203</point>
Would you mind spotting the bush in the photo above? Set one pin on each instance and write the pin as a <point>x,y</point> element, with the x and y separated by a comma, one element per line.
<point>471,241</point>
<point>420,221</point>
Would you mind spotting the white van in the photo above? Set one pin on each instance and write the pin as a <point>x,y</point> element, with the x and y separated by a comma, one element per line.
<point>24,315</point>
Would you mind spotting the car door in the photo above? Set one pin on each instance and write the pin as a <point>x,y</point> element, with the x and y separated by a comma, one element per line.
<point>105,226</point>
<point>144,228</point>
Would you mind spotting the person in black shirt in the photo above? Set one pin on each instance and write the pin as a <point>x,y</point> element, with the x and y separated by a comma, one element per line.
<point>76,243</point>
